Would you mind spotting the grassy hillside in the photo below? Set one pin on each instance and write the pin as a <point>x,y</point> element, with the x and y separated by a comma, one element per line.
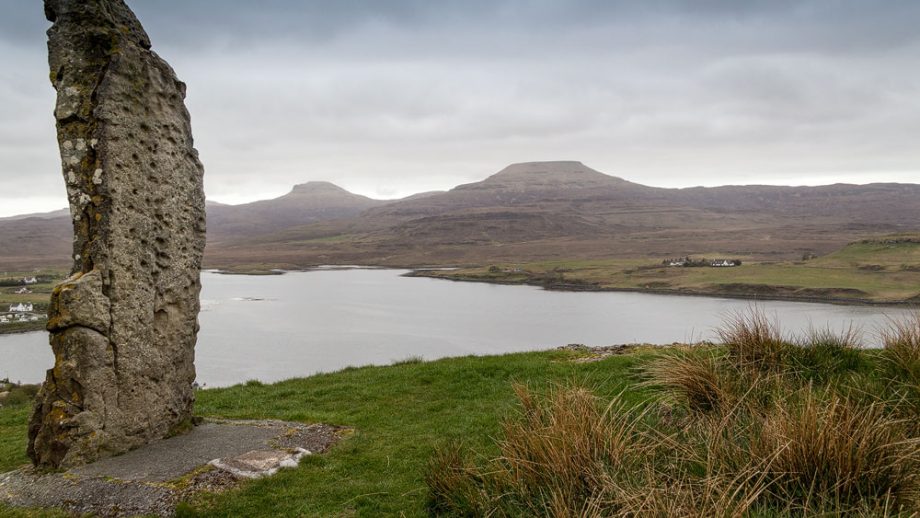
<point>884,270</point>
<point>400,414</point>
<point>693,429</point>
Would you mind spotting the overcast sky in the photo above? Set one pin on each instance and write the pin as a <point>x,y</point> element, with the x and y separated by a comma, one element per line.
<point>392,97</point>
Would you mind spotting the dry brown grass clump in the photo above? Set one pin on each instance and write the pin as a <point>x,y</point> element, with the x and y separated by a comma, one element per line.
<point>567,455</point>
<point>694,379</point>
<point>568,441</point>
<point>826,338</point>
<point>825,451</point>
<point>455,486</point>
<point>753,340</point>
<point>760,427</point>
<point>901,362</point>
<point>556,458</point>
<point>902,348</point>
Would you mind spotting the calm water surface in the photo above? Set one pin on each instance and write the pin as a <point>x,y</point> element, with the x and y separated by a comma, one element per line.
<point>276,327</point>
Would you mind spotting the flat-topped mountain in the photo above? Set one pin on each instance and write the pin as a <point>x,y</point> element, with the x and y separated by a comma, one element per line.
<point>542,176</point>
<point>526,211</point>
<point>528,183</point>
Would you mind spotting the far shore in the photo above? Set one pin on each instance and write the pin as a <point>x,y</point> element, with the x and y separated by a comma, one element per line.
<point>8,329</point>
<point>702,292</point>
<point>754,292</point>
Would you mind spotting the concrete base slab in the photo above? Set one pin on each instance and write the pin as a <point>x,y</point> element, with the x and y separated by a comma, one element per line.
<point>152,480</point>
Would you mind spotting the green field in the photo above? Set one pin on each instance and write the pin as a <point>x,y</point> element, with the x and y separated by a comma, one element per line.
<point>877,271</point>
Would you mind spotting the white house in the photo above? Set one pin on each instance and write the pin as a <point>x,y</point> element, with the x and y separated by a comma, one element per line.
<point>30,280</point>
<point>23,291</point>
<point>20,308</point>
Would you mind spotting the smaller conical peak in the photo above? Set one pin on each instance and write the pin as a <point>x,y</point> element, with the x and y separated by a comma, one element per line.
<point>317,187</point>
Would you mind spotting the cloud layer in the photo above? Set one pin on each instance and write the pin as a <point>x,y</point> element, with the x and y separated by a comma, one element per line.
<point>390,98</point>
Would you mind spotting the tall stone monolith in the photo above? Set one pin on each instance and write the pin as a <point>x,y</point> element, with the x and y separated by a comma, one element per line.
<point>123,326</point>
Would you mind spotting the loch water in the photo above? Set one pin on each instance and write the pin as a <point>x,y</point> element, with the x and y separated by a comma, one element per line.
<point>271,328</point>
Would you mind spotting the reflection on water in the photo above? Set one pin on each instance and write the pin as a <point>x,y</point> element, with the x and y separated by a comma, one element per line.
<point>281,326</point>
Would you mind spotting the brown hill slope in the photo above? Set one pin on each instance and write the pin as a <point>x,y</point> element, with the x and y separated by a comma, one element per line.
<point>543,210</point>
<point>35,242</point>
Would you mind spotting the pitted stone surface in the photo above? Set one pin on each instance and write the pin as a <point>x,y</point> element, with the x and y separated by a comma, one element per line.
<point>123,326</point>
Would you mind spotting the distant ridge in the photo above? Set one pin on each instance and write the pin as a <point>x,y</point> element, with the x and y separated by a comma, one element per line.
<point>565,210</point>
<point>528,210</point>
<point>39,215</point>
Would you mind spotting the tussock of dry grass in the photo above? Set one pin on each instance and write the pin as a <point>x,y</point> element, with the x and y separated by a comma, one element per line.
<point>557,457</point>
<point>764,426</point>
<point>822,355</point>
<point>753,340</point>
<point>901,361</point>
<point>568,442</point>
<point>826,338</point>
<point>569,455</point>
<point>694,379</point>
<point>827,450</point>
<point>453,483</point>
<point>902,348</point>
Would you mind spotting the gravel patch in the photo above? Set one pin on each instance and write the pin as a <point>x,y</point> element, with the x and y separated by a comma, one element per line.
<point>215,456</point>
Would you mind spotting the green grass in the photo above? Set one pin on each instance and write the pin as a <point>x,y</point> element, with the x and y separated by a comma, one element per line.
<point>400,414</point>
<point>884,252</point>
<point>13,420</point>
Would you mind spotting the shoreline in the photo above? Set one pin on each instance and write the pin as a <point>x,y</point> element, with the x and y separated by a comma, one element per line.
<point>420,271</point>
<point>754,297</point>
<point>23,330</point>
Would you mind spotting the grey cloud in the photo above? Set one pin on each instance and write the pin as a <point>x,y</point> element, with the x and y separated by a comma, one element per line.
<point>393,97</point>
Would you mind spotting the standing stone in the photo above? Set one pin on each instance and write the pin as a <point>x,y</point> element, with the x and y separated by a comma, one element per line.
<point>123,325</point>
